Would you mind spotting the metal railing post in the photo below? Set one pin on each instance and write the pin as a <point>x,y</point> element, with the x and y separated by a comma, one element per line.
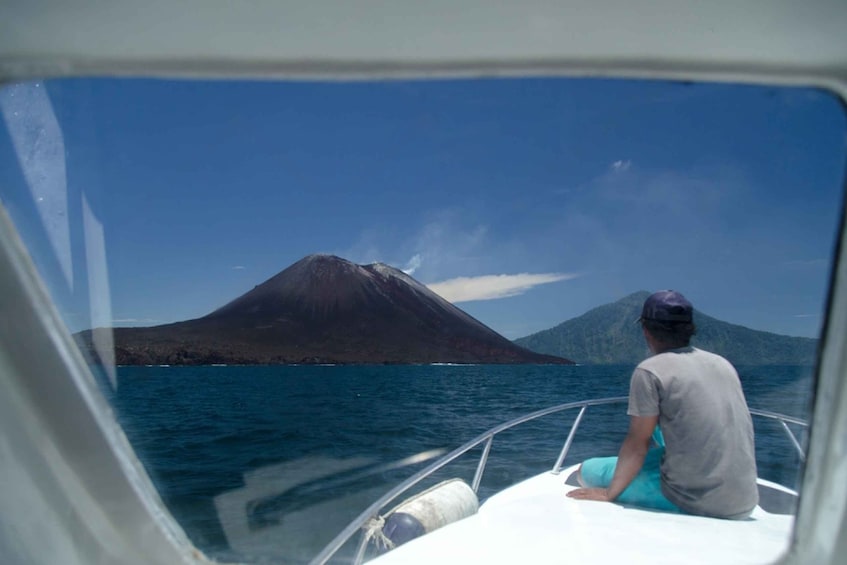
<point>477,478</point>
<point>793,439</point>
<point>565,448</point>
<point>782,419</point>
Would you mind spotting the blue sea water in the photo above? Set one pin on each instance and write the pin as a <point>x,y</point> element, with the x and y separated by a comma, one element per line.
<point>267,464</point>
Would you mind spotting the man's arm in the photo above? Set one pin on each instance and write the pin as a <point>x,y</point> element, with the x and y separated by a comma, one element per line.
<point>630,460</point>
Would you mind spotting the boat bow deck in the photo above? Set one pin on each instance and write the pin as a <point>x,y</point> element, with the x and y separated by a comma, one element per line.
<point>534,521</point>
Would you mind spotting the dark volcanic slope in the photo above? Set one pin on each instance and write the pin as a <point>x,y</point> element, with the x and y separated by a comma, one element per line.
<point>324,309</point>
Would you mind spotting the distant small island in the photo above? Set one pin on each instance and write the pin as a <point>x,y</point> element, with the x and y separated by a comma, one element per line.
<point>607,335</point>
<point>324,309</point>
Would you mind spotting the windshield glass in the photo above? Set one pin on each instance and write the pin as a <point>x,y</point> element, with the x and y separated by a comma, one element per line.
<point>298,294</point>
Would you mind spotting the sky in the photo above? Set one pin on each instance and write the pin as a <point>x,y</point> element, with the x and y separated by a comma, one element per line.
<point>526,202</point>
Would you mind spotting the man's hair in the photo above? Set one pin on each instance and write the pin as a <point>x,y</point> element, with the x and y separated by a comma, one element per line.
<point>672,335</point>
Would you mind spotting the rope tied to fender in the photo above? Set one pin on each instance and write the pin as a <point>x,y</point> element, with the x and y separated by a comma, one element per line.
<point>374,531</point>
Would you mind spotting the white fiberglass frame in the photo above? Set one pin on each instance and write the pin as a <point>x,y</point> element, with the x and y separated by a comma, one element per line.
<point>72,489</point>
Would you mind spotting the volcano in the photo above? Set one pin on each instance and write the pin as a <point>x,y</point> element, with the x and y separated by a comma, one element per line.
<point>325,309</point>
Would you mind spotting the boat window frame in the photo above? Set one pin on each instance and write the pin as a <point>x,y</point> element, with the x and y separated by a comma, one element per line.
<point>36,352</point>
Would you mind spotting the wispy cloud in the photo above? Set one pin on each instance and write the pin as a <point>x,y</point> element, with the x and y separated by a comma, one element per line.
<point>238,268</point>
<point>621,166</point>
<point>448,241</point>
<point>413,265</point>
<point>366,249</point>
<point>622,195</point>
<point>493,287</point>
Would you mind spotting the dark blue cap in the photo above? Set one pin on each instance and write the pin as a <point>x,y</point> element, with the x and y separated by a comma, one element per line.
<point>666,306</point>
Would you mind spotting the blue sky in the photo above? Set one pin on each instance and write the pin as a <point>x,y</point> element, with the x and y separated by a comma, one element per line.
<point>526,201</point>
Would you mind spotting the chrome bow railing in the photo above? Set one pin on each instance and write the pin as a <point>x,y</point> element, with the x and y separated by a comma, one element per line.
<point>486,438</point>
<point>784,421</point>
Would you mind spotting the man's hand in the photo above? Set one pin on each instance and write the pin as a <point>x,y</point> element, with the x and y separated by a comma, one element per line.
<point>600,494</point>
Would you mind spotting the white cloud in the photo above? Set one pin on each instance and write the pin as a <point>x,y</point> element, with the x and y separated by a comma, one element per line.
<point>239,268</point>
<point>492,287</point>
<point>621,166</point>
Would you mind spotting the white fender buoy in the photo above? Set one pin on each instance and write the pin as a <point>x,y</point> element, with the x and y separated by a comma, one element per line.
<point>437,506</point>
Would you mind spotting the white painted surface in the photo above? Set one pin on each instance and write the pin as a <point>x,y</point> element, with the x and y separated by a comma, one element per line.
<point>335,37</point>
<point>534,522</point>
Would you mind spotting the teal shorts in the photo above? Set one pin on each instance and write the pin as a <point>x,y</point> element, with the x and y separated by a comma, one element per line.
<point>645,490</point>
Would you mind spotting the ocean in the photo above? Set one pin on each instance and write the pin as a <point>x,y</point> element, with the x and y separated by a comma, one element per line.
<point>267,464</point>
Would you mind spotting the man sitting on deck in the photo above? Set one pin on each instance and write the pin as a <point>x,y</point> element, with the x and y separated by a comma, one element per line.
<point>707,465</point>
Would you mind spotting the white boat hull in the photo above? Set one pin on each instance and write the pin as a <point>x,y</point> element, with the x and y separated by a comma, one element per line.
<point>534,522</point>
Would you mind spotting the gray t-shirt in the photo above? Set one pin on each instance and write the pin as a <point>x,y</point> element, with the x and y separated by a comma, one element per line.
<point>709,466</point>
